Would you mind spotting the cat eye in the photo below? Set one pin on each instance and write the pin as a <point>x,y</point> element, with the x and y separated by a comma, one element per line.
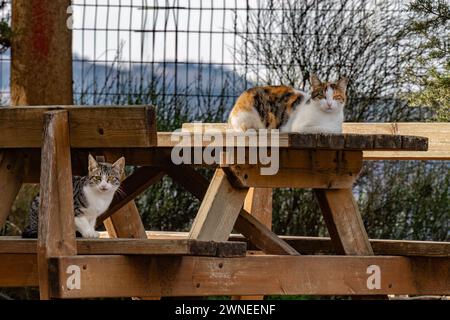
<point>112,179</point>
<point>96,178</point>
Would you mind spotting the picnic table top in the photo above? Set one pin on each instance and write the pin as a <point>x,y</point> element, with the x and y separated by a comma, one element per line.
<point>293,141</point>
<point>135,127</point>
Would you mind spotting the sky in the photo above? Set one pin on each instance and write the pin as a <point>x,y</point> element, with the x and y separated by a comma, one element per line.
<point>126,19</point>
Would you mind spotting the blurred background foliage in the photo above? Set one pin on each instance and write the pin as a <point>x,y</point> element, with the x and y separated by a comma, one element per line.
<point>5,30</point>
<point>430,70</point>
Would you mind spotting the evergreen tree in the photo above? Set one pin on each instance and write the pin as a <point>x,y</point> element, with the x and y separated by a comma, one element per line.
<point>430,23</point>
<point>5,30</point>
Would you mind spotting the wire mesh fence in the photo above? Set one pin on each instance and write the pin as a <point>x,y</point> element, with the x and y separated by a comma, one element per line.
<point>5,56</point>
<point>200,55</point>
<point>178,52</point>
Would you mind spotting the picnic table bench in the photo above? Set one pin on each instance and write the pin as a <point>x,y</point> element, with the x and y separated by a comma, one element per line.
<point>48,145</point>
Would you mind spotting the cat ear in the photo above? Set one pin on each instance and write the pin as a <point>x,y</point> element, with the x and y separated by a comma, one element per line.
<point>315,81</point>
<point>93,164</point>
<point>342,84</point>
<point>119,164</point>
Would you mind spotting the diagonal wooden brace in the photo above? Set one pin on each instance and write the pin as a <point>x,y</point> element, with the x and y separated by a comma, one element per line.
<point>344,222</point>
<point>219,210</point>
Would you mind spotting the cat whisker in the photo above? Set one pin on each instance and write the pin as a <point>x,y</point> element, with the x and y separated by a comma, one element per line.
<point>121,192</point>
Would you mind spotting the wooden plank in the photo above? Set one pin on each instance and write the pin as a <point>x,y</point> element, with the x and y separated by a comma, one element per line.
<point>90,127</point>
<point>19,270</point>
<point>324,161</point>
<point>313,245</point>
<point>202,127</point>
<point>219,210</point>
<point>388,142</point>
<point>305,245</point>
<point>411,248</point>
<point>323,245</point>
<point>303,169</point>
<point>11,178</point>
<point>411,143</point>
<point>258,204</point>
<point>437,133</point>
<point>160,247</point>
<point>113,246</point>
<point>358,141</point>
<point>184,246</point>
<point>218,139</point>
<point>260,235</point>
<point>150,157</point>
<point>126,223</point>
<point>141,179</point>
<point>252,275</point>
<point>17,245</point>
<point>230,249</point>
<point>290,178</point>
<point>289,140</point>
<point>344,221</point>
<point>41,66</point>
<point>336,140</point>
<point>56,235</point>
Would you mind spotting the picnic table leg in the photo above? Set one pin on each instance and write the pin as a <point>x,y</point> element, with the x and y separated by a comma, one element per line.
<point>259,204</point>
<point>56,235</point>
<point>126,223</point>
<point>345,225</point>
<point>11,178</point>
<point>344,221</point>
<point>219,210</point>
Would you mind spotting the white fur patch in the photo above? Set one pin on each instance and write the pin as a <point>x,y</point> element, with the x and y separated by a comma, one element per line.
<point>98,203</point>
<point>313,117</point>
<point>245,120</point>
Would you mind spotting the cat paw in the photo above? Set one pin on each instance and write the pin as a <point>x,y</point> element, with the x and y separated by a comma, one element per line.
<point>91,234</point>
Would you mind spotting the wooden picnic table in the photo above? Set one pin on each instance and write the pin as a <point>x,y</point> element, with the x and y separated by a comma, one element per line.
<point>48,145</point>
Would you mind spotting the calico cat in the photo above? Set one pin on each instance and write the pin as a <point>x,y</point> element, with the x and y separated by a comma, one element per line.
<point>291,110</point>
<point>92,195</point>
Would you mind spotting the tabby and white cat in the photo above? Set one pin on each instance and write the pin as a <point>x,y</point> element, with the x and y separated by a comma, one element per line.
<point>92,195</point>
<point>291,110</point>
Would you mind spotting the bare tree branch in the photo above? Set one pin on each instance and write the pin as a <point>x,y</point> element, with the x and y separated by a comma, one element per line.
<point>332,38</point>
